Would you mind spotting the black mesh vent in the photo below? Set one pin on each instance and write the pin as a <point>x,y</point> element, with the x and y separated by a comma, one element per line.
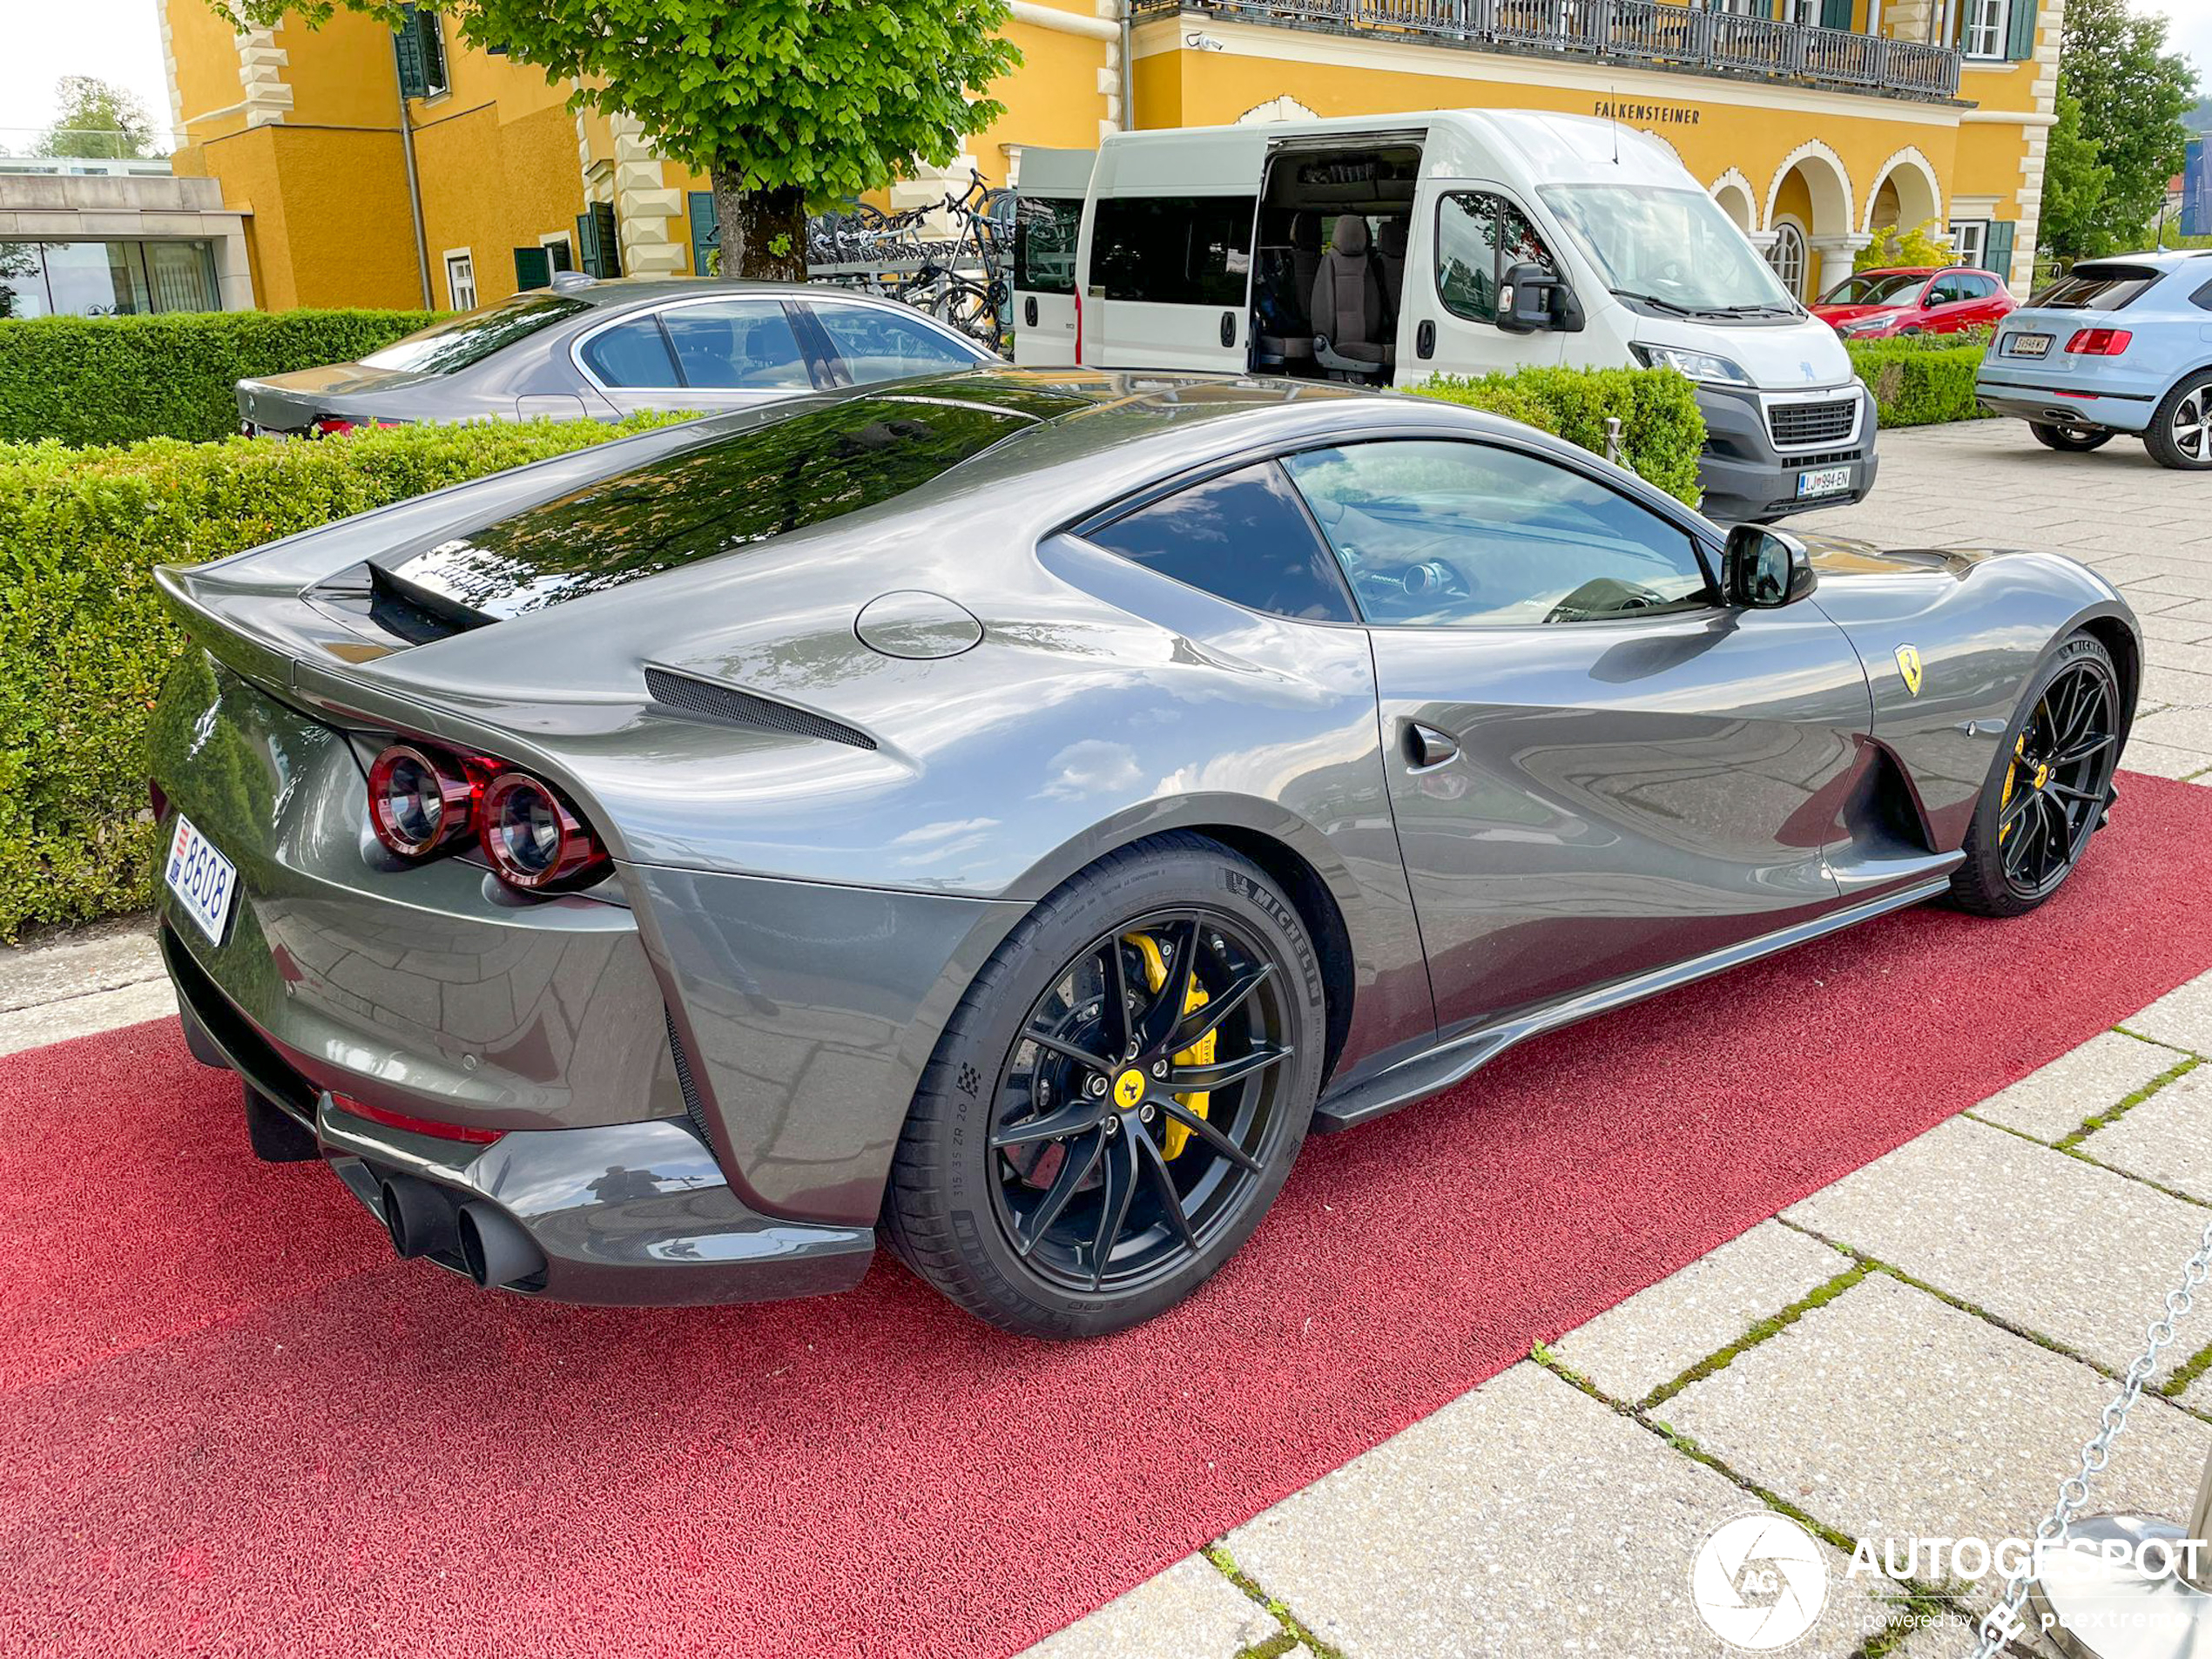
<point>712,702</point>
<point>683,1081</point>
<point>1796,424</point>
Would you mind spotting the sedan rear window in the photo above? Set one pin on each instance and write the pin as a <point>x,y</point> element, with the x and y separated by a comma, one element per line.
<point>2095,287</point>
<point>459,341</point>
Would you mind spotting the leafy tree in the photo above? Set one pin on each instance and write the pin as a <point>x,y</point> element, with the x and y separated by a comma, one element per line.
<point>782,103</point>
<point>2074,183</point>
<point>97,120</point>
<point>1920,245</point>
<point>2132,93</point>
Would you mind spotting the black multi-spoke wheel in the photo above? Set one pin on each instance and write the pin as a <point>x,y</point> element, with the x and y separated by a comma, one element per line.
<point>1118,1098</point>
<point>2051,787</point>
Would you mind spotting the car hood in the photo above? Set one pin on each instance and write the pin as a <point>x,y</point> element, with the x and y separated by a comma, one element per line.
<point>1847,314</point>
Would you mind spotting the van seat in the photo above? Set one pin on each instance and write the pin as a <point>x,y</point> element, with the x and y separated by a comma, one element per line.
<point>1349,332</point>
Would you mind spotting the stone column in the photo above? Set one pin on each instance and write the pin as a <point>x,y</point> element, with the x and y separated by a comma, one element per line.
<point>2038,134</point>
<point>647,212</point>
<point>1835,253</point>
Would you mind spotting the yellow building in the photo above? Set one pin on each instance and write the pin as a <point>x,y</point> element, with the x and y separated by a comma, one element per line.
<point>1813,122</point>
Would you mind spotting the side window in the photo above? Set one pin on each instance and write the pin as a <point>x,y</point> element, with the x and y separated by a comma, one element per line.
<point>1174,250</point>
<point>1949,290</point>
<point>737,345</point>
<point>1973,285</point>
<point>632,353</point>
<point>1242,537</point>
<point>1481,236</point>
<point>1451,534</point>
<point>1044,244</point>
<point>880,344</point>
<point>2202,298</point>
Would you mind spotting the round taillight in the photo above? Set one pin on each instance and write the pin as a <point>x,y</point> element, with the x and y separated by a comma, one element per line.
<point>531,837</point>
<point>419,802</point>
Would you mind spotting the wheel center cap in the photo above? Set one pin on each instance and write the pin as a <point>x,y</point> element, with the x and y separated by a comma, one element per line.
<point>1129,1090</point>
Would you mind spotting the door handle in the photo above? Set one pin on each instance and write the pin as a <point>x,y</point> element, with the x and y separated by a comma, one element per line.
<point>1426,748</point>
<point>1029,312</point>
<point>1228,328</point>
<point>1424,339</point>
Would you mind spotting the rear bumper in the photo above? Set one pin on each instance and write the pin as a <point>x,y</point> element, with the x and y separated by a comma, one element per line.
<point>2073,406</point>
<point>624,1213</point>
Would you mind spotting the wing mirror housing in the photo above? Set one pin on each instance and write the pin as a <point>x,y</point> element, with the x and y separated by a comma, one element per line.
<point>1532,299</point>
<point>1763,568</point>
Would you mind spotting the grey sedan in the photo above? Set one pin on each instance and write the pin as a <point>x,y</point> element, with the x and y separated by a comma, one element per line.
<point>599,350</point>
<point>1008,810</point>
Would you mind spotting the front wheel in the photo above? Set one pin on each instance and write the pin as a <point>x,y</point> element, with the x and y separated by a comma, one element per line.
<point>2180,434</point>
<point>2074,440</point>
<point>1118,1097</point>
<point>2049,789</point>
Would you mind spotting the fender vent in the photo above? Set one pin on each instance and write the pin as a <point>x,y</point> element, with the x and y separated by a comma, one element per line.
<point>693,1109</point>
<point>712,702</point>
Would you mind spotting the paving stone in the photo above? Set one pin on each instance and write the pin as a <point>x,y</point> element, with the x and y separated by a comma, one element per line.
<point>96,959</point>
<point>1191,1611</point>
<point>2053,1101</point>
<point>2167,1138</point>
<point>1661,1331</point>
<point>2181,1017</point>
<point>79,1017</point>
<point>2174,629</point>
<point>1524,1517</point>
<point>2189,728</point>
<point>2041,1240</point>
<point>2176,688</point>
<point>2189,659</point>
<point>2162,761</point>
<point>1891,1415</point>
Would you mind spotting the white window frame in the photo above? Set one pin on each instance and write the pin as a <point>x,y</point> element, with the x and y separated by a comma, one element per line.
<point>1791,247</point>
<point>1986,23</point>
<point>559,239</point>
<point>1969,242</point>
<point>467,260</point>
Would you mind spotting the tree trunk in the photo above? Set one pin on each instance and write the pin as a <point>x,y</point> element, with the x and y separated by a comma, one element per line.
<point>761,234</point>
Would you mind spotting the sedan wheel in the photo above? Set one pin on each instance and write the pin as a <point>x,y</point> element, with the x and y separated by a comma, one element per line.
<point>2180,434</point>
<point>2042,805</point>
<point>1110,1115</point>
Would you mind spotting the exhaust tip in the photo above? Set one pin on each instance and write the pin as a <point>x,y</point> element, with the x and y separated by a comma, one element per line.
<point>494,1247</point>
<point>417,1217</point>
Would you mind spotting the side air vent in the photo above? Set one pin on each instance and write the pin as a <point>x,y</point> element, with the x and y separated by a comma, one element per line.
<point>685,1081</point>
<point>712,702</point>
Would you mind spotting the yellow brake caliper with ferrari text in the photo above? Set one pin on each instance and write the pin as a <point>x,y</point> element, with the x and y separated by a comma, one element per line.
<point>2005,799</point>
<point>1199,1053</point>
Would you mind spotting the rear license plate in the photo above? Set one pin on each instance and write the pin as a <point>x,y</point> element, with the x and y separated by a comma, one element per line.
<point>203,879</point>
<point>1827,481</point>
<point>2027,345</point>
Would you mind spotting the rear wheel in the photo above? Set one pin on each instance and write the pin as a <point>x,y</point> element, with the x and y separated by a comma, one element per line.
<point>2180,434</point>
<point>2073,439</point>
<point>2048,792</point>
<point>1117,1099</point>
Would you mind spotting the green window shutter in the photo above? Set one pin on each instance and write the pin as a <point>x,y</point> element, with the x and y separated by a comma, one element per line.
<point>598,246</point>
<point>1997,249</point>
<point>533,268</point>
<point>2019,30</point>
<point>703,230</point>
<point>1836,14</point>
<point>407,45</point>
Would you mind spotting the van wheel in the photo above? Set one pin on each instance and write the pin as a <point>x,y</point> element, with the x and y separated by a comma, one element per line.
<point>2180,434</point>
<point>2074,440</point>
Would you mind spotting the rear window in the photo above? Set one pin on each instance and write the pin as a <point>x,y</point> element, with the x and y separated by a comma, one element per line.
<point>1242,537</point>
<point>2095,287</point>
<point>1044,244</point>
<point>732,494</point>
<point>459,341</point>
<point>1174,250</point>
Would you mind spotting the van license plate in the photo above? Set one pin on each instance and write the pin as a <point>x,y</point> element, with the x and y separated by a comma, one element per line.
<point>1828,481</point>
<point>202,879</point>
<point>2027,345</point>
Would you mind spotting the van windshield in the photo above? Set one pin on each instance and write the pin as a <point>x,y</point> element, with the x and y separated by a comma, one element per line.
<point>1671,248</point>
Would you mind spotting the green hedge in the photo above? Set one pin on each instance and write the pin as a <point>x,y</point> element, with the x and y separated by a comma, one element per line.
<point>84,642</point>
<point>117,380</point>
<point>1661,431</point>
<point>1917,381</point>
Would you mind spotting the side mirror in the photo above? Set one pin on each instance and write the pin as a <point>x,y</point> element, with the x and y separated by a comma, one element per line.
<point>1764,567</point>
<point>1531,299</point>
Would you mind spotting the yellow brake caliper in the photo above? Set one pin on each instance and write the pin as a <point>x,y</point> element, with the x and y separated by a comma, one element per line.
<point>2005,799</point>
<point>1199,1053</point>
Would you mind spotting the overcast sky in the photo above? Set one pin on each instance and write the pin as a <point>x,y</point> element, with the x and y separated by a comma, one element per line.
<point>120,41</point>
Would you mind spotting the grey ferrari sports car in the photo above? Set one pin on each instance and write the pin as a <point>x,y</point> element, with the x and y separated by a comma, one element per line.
<point>1002,813</point>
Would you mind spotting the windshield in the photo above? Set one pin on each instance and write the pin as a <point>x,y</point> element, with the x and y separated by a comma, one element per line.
<point>1892,288</point>
<point>1675,246</point>
<point>458,341</point>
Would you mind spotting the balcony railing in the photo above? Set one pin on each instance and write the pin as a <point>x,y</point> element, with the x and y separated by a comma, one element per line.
<point>1653,33</point>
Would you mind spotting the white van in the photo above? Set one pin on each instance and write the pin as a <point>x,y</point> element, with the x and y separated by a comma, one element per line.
<point>1047,218</point>
<point>1384,250</point>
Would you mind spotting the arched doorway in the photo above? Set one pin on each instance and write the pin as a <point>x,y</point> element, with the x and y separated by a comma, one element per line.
<point>1812,194</point>
<point>1907,196</point>
<point>1732,192</point>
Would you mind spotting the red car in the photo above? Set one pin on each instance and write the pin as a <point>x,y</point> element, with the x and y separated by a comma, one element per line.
<point>1877,305</point>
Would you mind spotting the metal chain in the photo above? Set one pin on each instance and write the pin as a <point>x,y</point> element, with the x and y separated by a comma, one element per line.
<point>2002,1623</point>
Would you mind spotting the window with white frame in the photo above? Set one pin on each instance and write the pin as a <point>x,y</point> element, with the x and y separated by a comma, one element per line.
<point>1970,237</point>
<point>461,279</point>
<point>1787,256</point>
<point>560,253</point>
<point>1986,28</point>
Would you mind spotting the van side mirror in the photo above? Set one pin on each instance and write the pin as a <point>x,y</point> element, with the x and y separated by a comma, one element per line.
<point>1764,567</point>
<point>1532,299</point>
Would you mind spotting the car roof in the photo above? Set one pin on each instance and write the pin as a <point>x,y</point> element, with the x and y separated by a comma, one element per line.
<point>2160,259</point>
<point>611,292</point>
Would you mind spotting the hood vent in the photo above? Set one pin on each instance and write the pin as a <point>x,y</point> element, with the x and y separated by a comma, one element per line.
<point>730,707</point>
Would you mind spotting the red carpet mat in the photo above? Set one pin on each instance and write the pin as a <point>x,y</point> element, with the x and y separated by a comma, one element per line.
<point>233,1424</point>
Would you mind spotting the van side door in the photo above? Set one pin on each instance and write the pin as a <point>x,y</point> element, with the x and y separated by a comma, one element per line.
<point>1467,235</point>
<point>1045,230</point>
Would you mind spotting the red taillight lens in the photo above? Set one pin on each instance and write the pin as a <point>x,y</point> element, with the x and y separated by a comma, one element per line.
<point>419,801</point>
<point>329,426</point>
<point>532,837</point>
<point>2099,342</point>
<point>415,1125</point>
